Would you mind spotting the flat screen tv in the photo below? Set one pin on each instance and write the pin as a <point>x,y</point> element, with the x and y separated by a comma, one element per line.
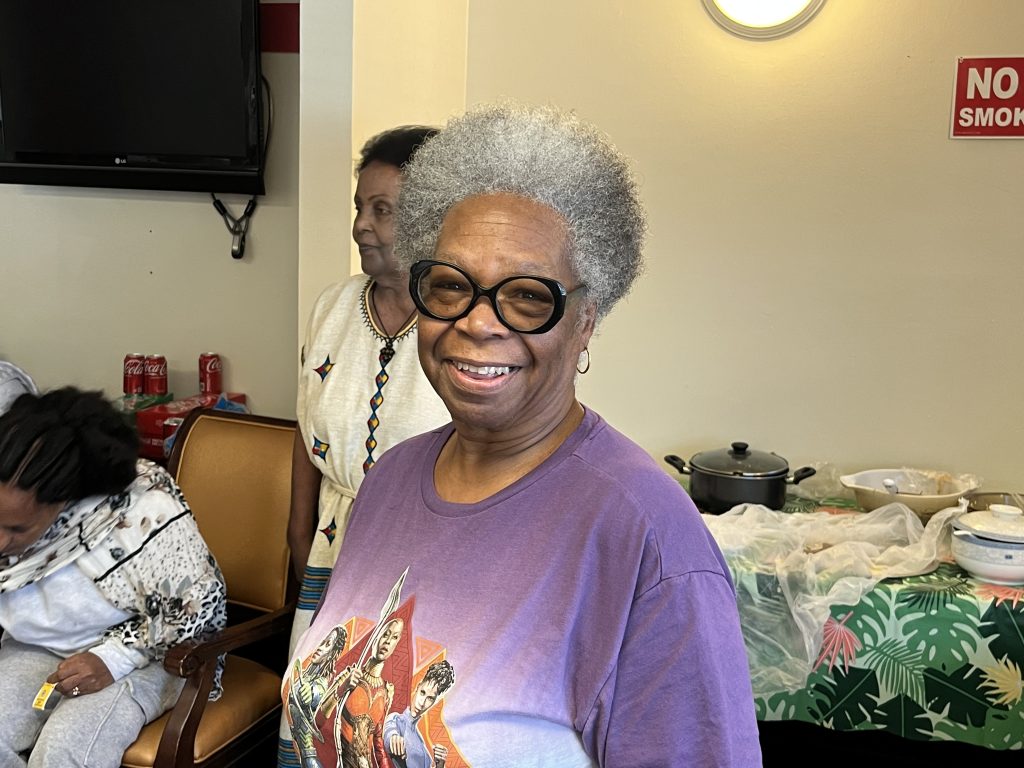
<point>138,94</point>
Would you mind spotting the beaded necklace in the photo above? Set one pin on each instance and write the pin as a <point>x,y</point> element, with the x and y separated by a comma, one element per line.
<point>387,351</point>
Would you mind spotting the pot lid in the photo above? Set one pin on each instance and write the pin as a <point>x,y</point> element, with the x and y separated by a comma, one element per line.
<point>738,459</point>
<point>1000,522</point>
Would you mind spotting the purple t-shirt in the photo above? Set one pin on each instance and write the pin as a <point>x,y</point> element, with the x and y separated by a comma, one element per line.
<point>585,610</point>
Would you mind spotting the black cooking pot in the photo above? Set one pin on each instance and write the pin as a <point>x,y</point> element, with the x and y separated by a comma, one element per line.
<point>721,479</point>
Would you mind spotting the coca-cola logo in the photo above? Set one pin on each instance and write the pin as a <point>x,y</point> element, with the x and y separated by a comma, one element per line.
<point>212,365</point>
<point>156,369</point>
<point>133,367</point>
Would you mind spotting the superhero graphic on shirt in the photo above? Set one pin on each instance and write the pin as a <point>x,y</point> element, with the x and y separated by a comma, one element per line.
<point>365,703</point>
<point>309,689</point>
<point>404,743</point>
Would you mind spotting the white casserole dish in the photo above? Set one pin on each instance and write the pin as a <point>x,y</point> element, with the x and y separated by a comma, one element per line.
<point>989,544</point>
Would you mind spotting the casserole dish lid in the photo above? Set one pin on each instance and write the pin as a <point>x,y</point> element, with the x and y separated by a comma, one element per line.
<point>1000,522</point>
<point>739,460</point>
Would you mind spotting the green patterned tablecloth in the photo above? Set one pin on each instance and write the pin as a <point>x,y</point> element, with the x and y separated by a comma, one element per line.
<point>933,657</point>
<point>938,657</point>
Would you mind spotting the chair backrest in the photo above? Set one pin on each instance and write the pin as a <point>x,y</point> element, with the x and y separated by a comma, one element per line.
<point>235,472</point>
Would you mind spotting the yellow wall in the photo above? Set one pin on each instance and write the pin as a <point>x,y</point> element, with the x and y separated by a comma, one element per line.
<point>408,67</point>
<point>829,276</point>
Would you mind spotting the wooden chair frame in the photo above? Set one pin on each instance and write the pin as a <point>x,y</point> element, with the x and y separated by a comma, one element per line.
<point>196,660</point>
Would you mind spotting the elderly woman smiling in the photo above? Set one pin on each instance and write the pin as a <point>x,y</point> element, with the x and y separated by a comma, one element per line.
<point>568,580</point>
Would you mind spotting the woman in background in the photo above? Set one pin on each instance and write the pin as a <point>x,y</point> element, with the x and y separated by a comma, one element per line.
<point>361,388</point>
<point>102,569</point>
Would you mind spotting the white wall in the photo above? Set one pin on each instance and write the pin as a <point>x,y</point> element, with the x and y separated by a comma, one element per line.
<point>87,275</point>
<point>325,168</point>
<point>366,66</point>
<point>829,276</point>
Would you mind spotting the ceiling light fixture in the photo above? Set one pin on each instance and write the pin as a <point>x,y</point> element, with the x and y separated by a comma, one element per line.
<point>762,19</point>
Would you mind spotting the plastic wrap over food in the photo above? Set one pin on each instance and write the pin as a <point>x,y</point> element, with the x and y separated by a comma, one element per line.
<point>824,484</point>
<point>791,569</point>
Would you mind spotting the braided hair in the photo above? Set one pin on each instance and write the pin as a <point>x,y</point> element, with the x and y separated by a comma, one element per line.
<point>66,445</point>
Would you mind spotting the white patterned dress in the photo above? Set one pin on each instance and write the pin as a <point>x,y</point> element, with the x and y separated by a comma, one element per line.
<point>338,398</point>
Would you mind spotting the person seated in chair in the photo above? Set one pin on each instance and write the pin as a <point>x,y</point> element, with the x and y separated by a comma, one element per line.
<point>102,569</point>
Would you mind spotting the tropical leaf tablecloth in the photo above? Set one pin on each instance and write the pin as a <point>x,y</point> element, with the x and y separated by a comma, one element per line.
<point>938,657</point>
<point>933,657</point>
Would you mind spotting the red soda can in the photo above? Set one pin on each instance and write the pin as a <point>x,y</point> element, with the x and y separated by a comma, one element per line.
<point>154,380</point>
<point>134,367</point>
<point>211,373</point>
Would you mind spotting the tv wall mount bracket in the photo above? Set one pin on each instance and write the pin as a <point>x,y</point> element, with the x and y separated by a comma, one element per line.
<point>237,226</point>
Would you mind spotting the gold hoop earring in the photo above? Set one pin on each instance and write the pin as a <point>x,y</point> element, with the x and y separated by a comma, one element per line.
<point>586,351</point>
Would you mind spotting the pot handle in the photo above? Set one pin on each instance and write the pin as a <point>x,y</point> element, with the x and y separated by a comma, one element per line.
<point>678,463</point>
<point>801,474</point>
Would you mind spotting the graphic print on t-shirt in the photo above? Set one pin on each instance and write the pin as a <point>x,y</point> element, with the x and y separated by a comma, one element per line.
<point>371,695</point>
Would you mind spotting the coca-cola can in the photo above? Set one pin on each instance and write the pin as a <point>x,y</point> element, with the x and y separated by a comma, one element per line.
<point>211,373</point>
<point>171,426</point>
<point>134,373</point>
<point>154,375</point>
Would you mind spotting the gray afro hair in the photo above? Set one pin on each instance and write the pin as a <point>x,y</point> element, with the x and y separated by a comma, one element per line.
<point>543,154</point>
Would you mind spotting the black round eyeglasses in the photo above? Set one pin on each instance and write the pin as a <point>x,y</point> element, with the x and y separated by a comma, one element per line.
<point>523,303</point>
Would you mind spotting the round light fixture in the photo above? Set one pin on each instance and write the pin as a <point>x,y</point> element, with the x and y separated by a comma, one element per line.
<point>762,19</point>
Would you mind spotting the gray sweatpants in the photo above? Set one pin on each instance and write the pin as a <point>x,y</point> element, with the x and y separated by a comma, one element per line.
<point>90,731</point>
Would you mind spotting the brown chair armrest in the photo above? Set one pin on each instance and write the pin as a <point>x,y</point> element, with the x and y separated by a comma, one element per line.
<point>196,661</point>
<point>185,659</point>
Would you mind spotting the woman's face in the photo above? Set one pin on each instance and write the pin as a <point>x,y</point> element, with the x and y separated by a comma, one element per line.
<point>374,226</point>
<point>498,383</point>
<point>329,646</point>
<point>23,519</point>
<point>389,638</point>
<point>423,698</point>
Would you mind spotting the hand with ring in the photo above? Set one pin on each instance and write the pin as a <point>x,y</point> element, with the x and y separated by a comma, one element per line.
<point>81,674</point>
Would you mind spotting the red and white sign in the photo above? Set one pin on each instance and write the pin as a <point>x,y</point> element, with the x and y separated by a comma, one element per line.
<point>988,98</point>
